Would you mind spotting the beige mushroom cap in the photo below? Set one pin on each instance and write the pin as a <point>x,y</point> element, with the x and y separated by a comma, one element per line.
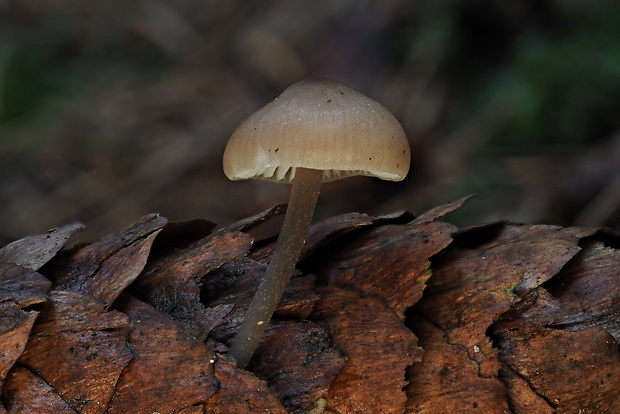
<point>323,125</point>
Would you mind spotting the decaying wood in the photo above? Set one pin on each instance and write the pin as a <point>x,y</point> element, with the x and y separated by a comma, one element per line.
<point>391,314</point>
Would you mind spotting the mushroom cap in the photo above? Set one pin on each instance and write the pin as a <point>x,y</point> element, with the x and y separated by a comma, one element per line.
<point>323,125</point>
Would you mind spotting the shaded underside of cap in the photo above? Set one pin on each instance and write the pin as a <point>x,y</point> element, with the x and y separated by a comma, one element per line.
<point>322,125</point>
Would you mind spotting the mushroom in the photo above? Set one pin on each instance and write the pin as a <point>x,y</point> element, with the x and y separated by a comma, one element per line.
<point>316,131</point>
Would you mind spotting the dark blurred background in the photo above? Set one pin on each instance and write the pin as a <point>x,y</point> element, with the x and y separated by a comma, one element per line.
<point>113,109</point>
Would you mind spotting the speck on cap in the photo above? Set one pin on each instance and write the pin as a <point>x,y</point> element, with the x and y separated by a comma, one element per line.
<point>323,125</point>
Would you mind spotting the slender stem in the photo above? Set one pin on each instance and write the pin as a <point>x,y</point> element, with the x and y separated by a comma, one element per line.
<point>304,193</point>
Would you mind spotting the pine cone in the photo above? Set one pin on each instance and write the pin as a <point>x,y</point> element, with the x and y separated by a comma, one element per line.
<point>390,314</point>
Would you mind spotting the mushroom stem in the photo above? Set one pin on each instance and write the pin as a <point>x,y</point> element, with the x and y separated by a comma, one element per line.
<point>304,193</point>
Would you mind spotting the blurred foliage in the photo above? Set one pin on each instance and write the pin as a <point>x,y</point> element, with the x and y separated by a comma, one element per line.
<point>110,110</point>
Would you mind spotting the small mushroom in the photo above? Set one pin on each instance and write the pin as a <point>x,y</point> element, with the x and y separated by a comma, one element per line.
<point>316,131</point>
